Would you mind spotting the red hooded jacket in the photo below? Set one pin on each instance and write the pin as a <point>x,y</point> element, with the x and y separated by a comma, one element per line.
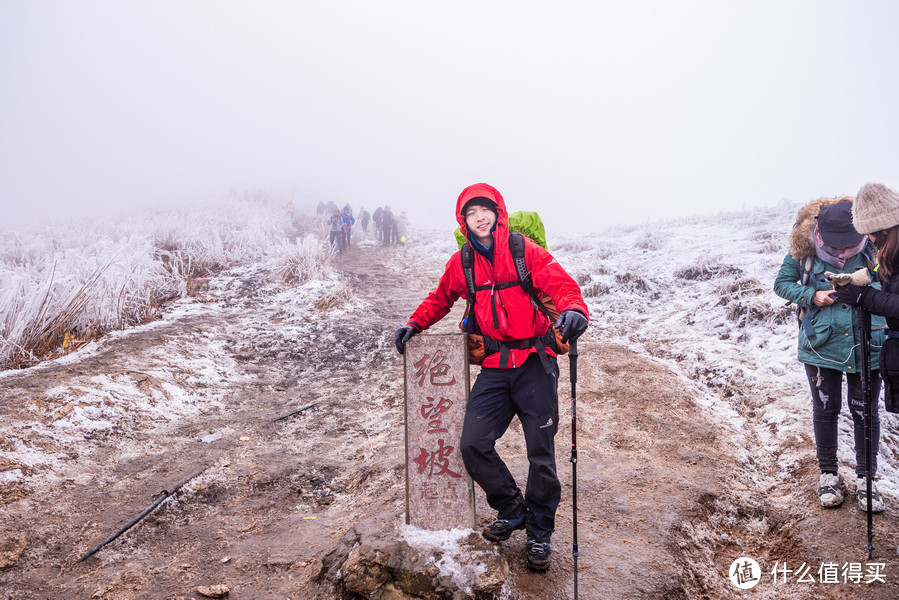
<point>518,318</point>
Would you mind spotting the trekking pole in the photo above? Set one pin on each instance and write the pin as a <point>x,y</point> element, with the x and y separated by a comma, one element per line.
<point>159,500</point>
<point>572,361</point>
<point>864,325</point>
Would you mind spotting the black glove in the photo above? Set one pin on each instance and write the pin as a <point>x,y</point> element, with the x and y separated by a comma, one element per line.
<point>402,336</point>
<point>850,294</point>
<point>571,324</point>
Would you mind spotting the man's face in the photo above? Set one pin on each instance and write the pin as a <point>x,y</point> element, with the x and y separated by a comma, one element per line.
<point>480,220</point>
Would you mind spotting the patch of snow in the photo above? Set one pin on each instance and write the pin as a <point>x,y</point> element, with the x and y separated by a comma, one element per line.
<point>464,574</point>
<point>12,476</point>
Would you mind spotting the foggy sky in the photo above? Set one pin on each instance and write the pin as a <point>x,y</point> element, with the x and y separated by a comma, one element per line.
<point>591,113</point>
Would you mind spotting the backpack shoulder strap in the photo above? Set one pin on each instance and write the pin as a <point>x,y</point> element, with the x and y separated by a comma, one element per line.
<point>516,245</point>
<point>805,271</point>
<point>467,256</point>
<point>805,268</point>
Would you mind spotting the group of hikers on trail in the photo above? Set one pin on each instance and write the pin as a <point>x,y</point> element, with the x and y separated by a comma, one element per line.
<point>388,228</point>
<point>503,275</point>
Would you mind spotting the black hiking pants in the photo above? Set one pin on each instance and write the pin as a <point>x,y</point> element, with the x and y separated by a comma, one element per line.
<point>336,239</point>
<point>498,395</point>
<point>827,401</point>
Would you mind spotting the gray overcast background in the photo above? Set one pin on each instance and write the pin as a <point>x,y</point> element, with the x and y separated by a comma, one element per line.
<point>593,113</point>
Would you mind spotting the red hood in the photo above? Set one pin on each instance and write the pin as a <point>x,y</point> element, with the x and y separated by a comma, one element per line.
<point>485,191</point>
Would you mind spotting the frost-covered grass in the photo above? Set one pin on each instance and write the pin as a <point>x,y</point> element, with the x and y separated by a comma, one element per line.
<point>66,284</point>
<point>303,260</point>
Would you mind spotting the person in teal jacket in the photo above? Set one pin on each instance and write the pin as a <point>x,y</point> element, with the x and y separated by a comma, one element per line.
<point>824,240</point>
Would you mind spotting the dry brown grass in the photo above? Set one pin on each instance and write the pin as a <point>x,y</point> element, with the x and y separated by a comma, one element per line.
<point>334,299</point>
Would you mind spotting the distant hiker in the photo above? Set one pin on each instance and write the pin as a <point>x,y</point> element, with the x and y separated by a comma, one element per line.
<point>320,209</point>
<point>388,226</point>
<point>348,222</point>
<point>519,376</point>
<point>364,218</point>
<point>402,228</point>
<point>337,237</point>
<point>376,221</point>
<point>823,239</point>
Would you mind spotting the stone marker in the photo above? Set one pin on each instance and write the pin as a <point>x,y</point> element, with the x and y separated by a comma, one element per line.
<point>439,492</point>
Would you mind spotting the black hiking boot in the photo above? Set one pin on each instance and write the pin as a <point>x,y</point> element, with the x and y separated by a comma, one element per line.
<point>537,555</point>
<point>501,529</point>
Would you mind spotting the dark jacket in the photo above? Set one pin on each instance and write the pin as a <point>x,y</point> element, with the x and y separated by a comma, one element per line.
<point>833,342</point>
<point>884,302</point>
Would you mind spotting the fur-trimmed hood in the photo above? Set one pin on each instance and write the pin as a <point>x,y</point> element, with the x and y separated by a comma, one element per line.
<point>801,245</point>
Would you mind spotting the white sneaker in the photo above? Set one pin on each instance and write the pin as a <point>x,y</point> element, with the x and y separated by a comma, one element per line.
<point>861,494</point>
<point>831,490</point>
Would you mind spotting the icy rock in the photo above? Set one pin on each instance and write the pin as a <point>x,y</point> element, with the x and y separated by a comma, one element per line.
<point>480,555</point>
<point>365,570</point>
<point>212,437</point>
<point>376,564</point>
<point>12,547</point>
<point>390,592</point>
<point>213,591</point>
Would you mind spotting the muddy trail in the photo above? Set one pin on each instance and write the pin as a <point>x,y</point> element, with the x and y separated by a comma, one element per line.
<point>668,498</point>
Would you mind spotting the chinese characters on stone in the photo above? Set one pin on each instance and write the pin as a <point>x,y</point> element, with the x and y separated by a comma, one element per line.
<point>436,367</point>
<point>436,462</point>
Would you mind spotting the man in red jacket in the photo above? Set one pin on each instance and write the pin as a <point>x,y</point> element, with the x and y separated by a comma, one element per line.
<point>520,378</point>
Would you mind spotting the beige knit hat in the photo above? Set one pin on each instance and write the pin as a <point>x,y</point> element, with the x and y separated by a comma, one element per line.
<point>876,208</point>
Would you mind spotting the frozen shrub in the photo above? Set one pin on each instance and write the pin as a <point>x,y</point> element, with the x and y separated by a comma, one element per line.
<point>650,241</point>
<point>594,289</point>
<point>304,260</point>
<point>742,287</point>
<point>634,283</point>
<point>769,243</point>
<point>604,253</point>
<point>334,299</point>
<point>742,305</point>
<point>590,288</point>
<point>707,270</point>
<point>570,245</point>
<point>105,286</point>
